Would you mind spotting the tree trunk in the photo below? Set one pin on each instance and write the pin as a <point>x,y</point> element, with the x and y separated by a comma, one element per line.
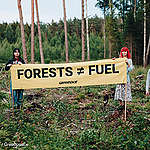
<point>144,61</point>
<point>130,43</point>
<point>39,32</point>
<point>32,32</point>
<point>22,32</point>
<point>121,18</point>
<point>135,58</point>
<point>104,32</point>
<point>110,46</point>
<point>65,28</point>
<point>87,34</point>
<point>110,37</point>
<point>110,6</point>
<point>148,47</point>
<point>123,15</point>
<point>83,33</point>
<point>134,9</point>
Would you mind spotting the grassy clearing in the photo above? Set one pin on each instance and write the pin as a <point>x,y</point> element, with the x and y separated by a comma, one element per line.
<point>75,118</point>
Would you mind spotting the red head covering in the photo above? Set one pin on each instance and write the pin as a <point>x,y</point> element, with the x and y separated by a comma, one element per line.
<point>125,49</point>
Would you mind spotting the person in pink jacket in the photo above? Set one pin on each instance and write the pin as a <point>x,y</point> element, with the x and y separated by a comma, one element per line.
<point>16,95</point>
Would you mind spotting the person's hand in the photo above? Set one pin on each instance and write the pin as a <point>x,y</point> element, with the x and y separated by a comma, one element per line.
<point>19,63</point>
<point>127,63</point>
<point>9,65</point>
<point>147,93</point>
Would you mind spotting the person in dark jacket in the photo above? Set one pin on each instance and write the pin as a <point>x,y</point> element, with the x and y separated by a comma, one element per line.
<point>16,95</point>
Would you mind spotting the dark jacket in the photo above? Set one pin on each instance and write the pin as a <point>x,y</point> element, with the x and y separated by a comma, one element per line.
<point>14,61</point>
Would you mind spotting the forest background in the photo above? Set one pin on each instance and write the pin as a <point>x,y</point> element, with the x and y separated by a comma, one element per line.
<point>124,26</point>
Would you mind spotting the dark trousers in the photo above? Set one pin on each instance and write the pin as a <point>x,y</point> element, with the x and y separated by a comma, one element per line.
<point>16,96</point>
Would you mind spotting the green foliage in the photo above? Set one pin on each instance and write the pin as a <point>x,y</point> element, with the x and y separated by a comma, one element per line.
<point>96,47</point>
<point>53,40</point>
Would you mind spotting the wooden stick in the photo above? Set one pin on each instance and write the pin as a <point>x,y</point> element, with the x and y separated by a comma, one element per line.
<point>125,105</point>
<point>13,101</point>
<point>9,99</point>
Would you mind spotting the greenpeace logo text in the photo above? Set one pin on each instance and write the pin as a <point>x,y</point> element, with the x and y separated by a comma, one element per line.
<point>68,82</point>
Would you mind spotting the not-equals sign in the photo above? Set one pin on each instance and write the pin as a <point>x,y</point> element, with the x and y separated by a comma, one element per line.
<point>80,70</point>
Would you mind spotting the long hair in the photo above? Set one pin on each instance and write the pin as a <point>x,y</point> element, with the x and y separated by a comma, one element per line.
<point>125,49</point>
<point>15,49</point>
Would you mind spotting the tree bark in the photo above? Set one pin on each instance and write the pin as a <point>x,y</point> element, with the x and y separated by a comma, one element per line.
<point>39,32</point>
<point>110,46</point>
<point>32,32</point>
<point>134,9</point>
<point>131,43</point>
<point>144,61</point>
<point>148,47</point>
<point>22,32</point>
<point>104,32</point>
<point>65,29</point>
<point>110,37</point>
<point>83,33</point>
<point>87,34</point>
